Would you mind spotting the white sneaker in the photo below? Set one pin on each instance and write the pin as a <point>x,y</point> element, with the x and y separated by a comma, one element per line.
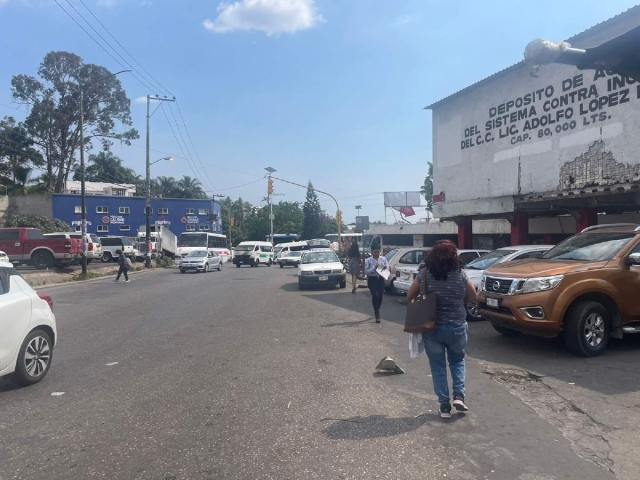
<point>127,281</point>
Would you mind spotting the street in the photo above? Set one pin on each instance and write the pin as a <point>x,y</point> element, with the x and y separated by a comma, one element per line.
<point>237,374</point>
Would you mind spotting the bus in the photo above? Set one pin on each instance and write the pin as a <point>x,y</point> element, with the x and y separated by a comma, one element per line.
<point>214,242</point>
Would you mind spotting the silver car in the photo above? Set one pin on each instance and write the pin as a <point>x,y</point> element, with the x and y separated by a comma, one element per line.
<point>201,261</point>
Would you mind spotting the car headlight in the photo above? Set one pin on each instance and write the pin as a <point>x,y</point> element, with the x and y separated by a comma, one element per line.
<point>540,284</point>
<point>483,282</point>
<point>304,272</point>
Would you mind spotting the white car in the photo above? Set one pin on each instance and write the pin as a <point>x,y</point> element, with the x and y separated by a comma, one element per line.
<point>322,267</point>
<point>201,260</point>
<point>4,258</point>
<point>27,329</point>
<point>406,274</point>
<point>475,269</point>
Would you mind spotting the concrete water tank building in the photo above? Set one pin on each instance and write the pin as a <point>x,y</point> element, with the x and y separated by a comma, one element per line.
<point>552,149</point>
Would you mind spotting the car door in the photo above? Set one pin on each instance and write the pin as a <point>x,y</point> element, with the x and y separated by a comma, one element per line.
<point>217,259</point>
<point>15,317</point>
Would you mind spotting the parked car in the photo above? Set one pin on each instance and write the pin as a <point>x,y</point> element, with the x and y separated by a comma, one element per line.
<point>406,275</point>
<point>28,329</point>
<point>402,257</point>
<point>4,258</point>
<point>587,287</point>
<point>112,244</point>
<point>475,269</point>
<point>289,259</point>
<point>201,260</point>
<point>94,247</point>
<point>321,268</point>
<point>28,245</point>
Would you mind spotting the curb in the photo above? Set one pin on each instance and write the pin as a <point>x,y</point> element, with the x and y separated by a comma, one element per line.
<point>92,280</point>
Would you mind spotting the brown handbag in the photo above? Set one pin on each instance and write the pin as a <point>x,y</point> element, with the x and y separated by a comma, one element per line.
<point>422,311</point>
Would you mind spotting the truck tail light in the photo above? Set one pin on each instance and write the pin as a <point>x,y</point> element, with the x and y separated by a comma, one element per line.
<point>91,247</point>
<point>47,299</point>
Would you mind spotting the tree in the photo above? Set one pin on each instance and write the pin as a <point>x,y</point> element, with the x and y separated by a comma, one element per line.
<point>311,214</point>
<point>288,217</point>
<point>109,168</point>
<point>17,155</point>
<point>188,187</point>
<point>55,111</point>
<point>427,188</point>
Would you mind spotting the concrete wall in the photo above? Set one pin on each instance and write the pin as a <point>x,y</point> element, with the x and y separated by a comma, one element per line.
<point>31,205</point>
<point>518,134</point>
<point>4,208</point>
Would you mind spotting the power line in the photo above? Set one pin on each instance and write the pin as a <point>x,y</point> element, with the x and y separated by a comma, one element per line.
<point>142,82</point>
<point>178,141</point>
<point>192,144</point>
<point>237,186</point>
<point>126,51</point>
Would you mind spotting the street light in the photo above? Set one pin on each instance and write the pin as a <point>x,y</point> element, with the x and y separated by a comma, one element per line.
<point>270,171</point>
<point>83,192</point>
<point>147,209</point>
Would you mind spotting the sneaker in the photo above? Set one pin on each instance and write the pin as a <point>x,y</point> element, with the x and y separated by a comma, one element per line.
<point>445,410</point>
<point>127,281</point>
<point>458,403</point>
<point>377,317</point>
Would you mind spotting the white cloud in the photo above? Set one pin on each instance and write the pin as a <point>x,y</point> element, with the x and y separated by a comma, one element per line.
<point>140,100</point>
<point>270,16</point>
<point>403,20</point>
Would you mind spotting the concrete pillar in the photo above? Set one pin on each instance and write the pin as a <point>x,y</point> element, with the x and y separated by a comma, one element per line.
<point>587,218</point>
<point>520,229</point>
<point>465,232</point>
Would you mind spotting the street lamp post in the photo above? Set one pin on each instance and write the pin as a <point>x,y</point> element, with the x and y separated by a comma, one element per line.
<point>83,192</point>
<point>270,172</point>
<point>147,209</point>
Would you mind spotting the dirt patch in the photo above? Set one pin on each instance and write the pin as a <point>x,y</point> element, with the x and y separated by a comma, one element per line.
<point>40,279</point>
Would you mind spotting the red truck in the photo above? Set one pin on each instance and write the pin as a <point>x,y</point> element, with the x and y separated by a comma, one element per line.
<point>28,245</point>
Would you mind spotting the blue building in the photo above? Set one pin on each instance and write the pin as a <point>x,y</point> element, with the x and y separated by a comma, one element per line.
<point>116,215</point>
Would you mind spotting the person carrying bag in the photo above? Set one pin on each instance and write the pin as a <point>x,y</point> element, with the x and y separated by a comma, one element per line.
<point>439,316</point>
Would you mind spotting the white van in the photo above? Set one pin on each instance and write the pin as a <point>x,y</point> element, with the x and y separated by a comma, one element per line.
<point>283,248</point>
<point>253,253</point>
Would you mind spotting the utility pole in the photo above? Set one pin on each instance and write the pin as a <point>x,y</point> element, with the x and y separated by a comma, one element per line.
<point>83,190</point>
<point>213,198</point>
<point>147,209</point>
<point>358,207</point>
<point>270,171</point>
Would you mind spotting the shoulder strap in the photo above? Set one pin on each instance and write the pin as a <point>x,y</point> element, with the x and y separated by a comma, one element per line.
<point>424,281</point>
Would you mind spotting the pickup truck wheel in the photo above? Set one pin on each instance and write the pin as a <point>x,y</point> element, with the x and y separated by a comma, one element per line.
<point>42,260</point>
<point>507,332</point>
<point>586,329</point>
<point>472,312</point>
<point>106,257</point>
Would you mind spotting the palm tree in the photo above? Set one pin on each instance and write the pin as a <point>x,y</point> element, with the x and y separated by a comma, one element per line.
<point>107,167</point>
<point>190,188</point>
<point>166,186</point>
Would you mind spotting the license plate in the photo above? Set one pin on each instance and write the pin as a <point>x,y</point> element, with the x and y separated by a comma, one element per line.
<point>323,278</point>
<point>493,302</point>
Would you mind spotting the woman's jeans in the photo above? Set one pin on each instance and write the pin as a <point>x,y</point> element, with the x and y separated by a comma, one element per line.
<point>376,287</point>
<point>451,339</point>
<point>122,271</point>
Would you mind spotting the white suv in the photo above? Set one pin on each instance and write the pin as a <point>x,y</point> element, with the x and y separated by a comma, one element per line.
<point>27,329</point>
<point>94,247</point>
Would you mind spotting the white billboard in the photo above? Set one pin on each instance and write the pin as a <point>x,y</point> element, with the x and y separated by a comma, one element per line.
<point>402,199</point>
<point>518,134</point>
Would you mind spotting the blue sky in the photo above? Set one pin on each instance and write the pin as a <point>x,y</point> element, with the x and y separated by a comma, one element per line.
<point>327,90</point>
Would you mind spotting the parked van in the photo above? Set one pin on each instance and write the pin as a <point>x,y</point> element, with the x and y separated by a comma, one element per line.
<point>111,244</point>
<point>94,247</point>
<point>283,248</point>
<point>254,254</point>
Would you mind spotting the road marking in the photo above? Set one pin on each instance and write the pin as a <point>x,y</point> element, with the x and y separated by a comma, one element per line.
<point>111,364</point>
<point>57,394</point>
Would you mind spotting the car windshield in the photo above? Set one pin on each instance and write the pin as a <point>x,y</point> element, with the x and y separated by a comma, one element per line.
<point>94,238</point>
<point>390,254</point>
<point>294,254</point>
<point>277,250</point>
<point>244,248</point>
<point>198,254</point>
<point>320,257</point>
<point>589,247</point>
<point>489,259</point>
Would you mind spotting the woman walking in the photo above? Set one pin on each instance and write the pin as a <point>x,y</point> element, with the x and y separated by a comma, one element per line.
<point>354,265</point>
<point>124,264</point>
<point>375,281</point>
<point>445,277</point>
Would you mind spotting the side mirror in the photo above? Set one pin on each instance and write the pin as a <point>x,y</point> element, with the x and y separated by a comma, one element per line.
<point>633,259</point>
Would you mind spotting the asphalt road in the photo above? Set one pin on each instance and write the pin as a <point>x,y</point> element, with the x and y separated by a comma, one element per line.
<point>237,374</point>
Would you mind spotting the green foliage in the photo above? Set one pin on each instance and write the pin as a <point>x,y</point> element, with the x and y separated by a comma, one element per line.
<point>311,210</point>
<point>45,224</point>
<point>164,262</point>
<point>109,168</point>
<point>53,121</point>
<point>18,158</point>
<point>427,188</point>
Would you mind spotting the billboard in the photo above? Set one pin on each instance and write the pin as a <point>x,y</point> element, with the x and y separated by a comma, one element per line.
<point>362,224</point>
<point>402,199</point>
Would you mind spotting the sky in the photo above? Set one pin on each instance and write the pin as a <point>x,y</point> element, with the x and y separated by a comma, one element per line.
<point>330,91</point>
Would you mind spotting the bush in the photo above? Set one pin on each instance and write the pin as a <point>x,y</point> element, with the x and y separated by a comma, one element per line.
<point>47,225</point>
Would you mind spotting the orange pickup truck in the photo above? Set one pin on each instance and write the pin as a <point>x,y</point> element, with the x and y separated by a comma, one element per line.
<point>587,287</point>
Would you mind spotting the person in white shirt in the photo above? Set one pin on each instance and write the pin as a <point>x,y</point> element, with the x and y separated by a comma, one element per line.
<point>374,280</point>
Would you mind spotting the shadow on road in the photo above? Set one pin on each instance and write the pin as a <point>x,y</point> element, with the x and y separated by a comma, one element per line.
<point>6,385</point>
<point>376,426</point>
